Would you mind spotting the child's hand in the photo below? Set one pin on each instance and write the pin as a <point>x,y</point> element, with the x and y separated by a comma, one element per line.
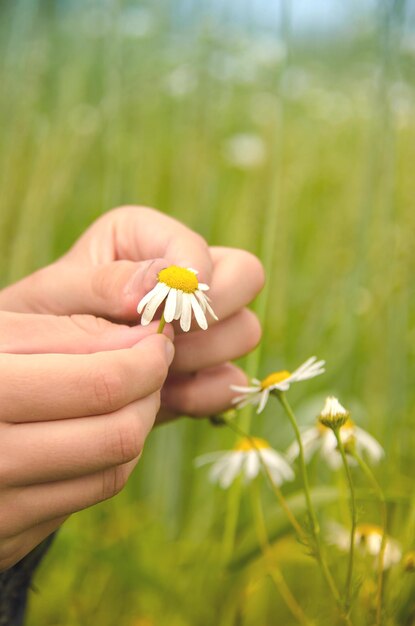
<point>116,262</point>
<point>78,398</point>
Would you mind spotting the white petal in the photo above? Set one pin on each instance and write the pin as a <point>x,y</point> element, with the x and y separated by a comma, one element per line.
<point>203,459</point>
<point>190,269</point>
<point>170,307</point>
<point>243,401</point>
<point>329,451</point>
<point>263,400</point>
<point>179,304</point>
<point>393,553</point>
<point>275,461</point>
<point>204,303</point>
<point>338,536</point>
<point>244,389</point>
<point>252,465</point>
<point>232,470</point>
<point>305,365</point>
<point>186,316</point>
<point>154,303</point>
<point>201,298</point>
<point>292,451</point>
<point>369,444</point>
<point>203,287</point>
<point>147,298</point>
<point>311,442</point>
<point>309,369</point>
<point>199,315</point>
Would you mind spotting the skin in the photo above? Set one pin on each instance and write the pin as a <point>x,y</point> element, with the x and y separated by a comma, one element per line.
<point>76,404</point>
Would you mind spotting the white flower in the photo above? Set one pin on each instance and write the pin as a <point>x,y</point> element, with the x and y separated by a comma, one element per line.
<point>333,415</point>
<point>246,459</point>
<point>258,393</point>
<point>183,294</point>
<point>368,540</point>
<point>321,437</point>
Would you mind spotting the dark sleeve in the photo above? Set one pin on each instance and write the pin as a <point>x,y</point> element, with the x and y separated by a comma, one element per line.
<point>15,584</point>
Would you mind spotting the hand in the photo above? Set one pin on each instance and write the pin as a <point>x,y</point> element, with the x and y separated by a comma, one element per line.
<point>78,398</point>
<point>116,262</point>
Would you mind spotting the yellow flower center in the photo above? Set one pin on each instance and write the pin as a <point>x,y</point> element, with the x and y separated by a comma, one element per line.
<point>364,531</point>
<point>179,278</point>
<point>251,443</point>
<point>274,379</point>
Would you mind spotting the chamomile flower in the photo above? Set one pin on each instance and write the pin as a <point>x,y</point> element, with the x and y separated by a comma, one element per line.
<point>183,294</point>
<point>368,540</point>
<point>321,437</point>
<point>247,459</point>
<point>259,392</point>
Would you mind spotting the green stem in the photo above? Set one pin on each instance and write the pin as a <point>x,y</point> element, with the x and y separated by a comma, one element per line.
<point>384,513</point>
<point>347,595</point>
<point>314,525</point>
<point>274,571</point>
<point>231,521</point>
<point>277,491</point>
<point>161,325</point>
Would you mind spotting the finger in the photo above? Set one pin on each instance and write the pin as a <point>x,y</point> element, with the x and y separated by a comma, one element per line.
<point>202,394</point>
<point>56,386</point>
<point>15,548</point>
<point>111,290</point>
<point>40,503</point>
<point>25,333</point>
<point>238,277</point>
<point>75,447</point>
<point>225,341</point>
<point>112,266</point>
<point>137,233</point>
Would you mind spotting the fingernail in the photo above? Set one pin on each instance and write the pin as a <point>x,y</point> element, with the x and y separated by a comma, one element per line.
<point>169,347</point>
<point>135,282</point>
<point>145,277</point>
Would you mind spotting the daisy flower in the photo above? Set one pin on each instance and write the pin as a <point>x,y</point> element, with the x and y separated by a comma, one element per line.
<point>321,437</point>
<point>183,294</point>
<point>246,459</point>
<point>258,393</point>
<point>368,540</point>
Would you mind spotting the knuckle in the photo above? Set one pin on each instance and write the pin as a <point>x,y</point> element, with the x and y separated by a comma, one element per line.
<point>107,390</point>
<point>113,481</point>
<point>90,324</point>
<point>127,442</point>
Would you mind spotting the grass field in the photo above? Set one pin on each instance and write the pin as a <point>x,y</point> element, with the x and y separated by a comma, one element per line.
<point>299,150</point>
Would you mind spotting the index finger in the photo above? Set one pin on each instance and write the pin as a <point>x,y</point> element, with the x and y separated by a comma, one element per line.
<point>137,233</point>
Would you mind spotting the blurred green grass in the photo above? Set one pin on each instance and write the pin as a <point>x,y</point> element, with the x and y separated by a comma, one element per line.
<point>301,152</point>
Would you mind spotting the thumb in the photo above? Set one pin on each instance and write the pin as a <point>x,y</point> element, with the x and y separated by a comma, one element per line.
<point>111,290</point>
